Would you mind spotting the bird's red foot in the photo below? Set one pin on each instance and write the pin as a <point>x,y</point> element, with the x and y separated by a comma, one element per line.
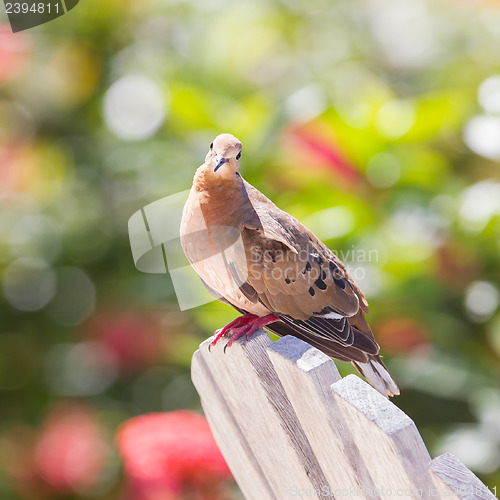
<point>238,322</point>
<point>247,325</point>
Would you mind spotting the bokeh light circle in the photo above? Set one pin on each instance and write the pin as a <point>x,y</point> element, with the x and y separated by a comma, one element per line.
<point>134,107</point>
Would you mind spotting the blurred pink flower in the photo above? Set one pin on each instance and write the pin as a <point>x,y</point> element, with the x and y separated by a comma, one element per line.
<point>401,336</point>
<point>14,53</point>
<point>68,454</point>
<point>71,452</point>
<point>133,336</point>
<point>315,142</point>
<point>171,456</point>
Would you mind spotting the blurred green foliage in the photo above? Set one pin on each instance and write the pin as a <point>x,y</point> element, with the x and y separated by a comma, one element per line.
<point>376,123</point>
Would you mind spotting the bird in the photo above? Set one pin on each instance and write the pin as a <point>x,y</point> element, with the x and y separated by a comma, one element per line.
<point>272,269</point>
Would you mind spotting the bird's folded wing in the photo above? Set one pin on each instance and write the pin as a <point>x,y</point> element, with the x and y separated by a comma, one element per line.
<point>300,280</point>
<point>301,276</point>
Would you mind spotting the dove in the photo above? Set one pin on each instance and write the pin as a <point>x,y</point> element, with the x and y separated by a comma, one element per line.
<point>274,271</point>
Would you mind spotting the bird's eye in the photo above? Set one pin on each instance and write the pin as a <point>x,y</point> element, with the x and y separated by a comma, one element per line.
<point>238,156</point>
<point>212,146</point>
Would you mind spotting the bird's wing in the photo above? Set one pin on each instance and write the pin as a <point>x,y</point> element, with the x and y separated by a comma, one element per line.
<point>295,276</point>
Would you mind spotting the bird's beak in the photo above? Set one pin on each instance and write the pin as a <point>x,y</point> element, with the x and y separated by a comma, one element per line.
<point>219,162</point>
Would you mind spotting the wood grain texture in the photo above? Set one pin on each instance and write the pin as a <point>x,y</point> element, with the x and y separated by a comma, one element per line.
<point>307,375</point>
<point>256,398</point>
<point>289,426</point>
<point>390,444</point>
<point>463,484</point>
<point>230,438</point>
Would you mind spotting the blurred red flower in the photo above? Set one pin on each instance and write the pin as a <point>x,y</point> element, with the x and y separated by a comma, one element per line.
<point>68,455</point>
<point>400,336</point>
<point>133,336</point>
<point>315,145</point>
<point>14,53</point>
<point>71,452</point>
<point>171,456</point>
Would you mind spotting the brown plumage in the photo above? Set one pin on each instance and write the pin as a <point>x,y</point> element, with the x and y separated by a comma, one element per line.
<point>271,268</point>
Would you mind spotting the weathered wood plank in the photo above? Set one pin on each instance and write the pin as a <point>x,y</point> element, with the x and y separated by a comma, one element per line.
<point>389,442</point>
<point>256,398</point>
<point>307,374</point>
<point>227,432</point>
<point>453,475</point>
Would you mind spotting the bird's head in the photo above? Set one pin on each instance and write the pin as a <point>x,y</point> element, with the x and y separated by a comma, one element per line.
<point>224,154</point>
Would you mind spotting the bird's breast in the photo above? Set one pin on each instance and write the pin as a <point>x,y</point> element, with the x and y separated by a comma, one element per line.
<point>214,246</point>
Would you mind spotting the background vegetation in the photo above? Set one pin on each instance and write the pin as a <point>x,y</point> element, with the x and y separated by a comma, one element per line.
<point>377,123</point>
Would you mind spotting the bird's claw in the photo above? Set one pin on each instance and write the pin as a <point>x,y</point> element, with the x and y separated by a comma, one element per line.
<point>217,334</point>
<point>246,330</point>
<point>245,325</point>
<point>241,321</point>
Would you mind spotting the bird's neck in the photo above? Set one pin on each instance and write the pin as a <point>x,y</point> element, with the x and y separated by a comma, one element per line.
<point>221,195</point>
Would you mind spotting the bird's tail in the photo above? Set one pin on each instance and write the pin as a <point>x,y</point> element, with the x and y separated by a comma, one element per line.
<point>377,374</point>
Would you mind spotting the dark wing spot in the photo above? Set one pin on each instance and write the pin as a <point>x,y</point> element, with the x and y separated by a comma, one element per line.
<point>316,258</point>
<point>336,271</point>
<point>287,280</point>
<point>249,292</point>
<point>311,291</point>
<point>323,274</point>
<point>339,282</point>
<point>320,284</point>
<point>308,266</point>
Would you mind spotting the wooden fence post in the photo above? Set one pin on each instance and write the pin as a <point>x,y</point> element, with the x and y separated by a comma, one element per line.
<point>290,427</point>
